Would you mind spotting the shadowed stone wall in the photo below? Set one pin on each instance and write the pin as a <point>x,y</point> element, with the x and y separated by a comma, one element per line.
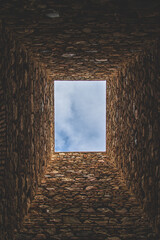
<point>132,127</point>
<point>3,153</point>
<point>29,114</point>
<point>3,145</point>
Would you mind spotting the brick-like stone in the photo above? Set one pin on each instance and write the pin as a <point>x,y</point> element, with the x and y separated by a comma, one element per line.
<point>133,135</point>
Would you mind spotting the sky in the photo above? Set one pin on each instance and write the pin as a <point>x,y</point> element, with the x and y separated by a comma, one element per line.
<point>80,116</point>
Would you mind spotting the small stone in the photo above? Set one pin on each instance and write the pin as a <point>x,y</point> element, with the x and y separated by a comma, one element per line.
<point>105,210</point>
<point>89,188</point>
<point>88,221</point>
<point>71,220</point>
<point>107,196</point>
<point>102,161</point>
<point>102,60</point>
<point>55,172</point>
<point>126,221</point>
<point>48,176</point>
<point>89,210</point>
<point>50,194</point>
<point>59,175</point>
<point>54,14</point>
<point>51,231</point>
<point>113,221</point>
<point>74,210</point>
<point>55,210</point>
<point>81,42</point>
<point>101,232</point>
<point>42,6</point>
<point>87,30</point>
<point>50,189</point>
<point>68,55</point>
<point>121,211</point>
<point>56,220</point>
<point>91,179</point>
<point>116,187</point>
<point>101,223</point>
<point>67,179</point>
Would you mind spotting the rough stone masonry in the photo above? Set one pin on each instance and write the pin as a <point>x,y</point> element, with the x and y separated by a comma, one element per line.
<point>42,41</point>
<point>82,196</point>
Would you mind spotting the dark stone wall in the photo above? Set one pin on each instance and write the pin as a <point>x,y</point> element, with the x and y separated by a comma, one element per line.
<point>3,153</point>
<point>3,145</point>
<point>29,118</point>
<point>133,126</point>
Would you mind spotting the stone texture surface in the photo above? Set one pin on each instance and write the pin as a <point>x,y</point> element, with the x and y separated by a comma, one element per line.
<point>82,196</point>
<point>29,118</point>
<point>133,128</point>
<point>117,41</point>
<point>3,153</point>
<point>86,41</point>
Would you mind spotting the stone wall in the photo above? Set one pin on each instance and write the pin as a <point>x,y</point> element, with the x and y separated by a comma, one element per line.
<point>79,155</point>
<point>79,45</point>
<point>132,127</point>
<point>29,114</point>
<point>3,153</point>
<point>3,145</point>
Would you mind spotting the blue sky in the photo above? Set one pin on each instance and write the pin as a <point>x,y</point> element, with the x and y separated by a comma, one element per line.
<point>80,116</point>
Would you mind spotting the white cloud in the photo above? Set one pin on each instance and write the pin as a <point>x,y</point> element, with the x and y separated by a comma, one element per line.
<point>80,115</point>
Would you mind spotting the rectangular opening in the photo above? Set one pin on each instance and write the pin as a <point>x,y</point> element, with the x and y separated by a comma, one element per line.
<point>80,116</point>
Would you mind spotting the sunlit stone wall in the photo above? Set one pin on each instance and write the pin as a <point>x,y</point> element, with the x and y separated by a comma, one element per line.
<point>133,129</point>
<point>79,155</point>
<point>29,119</point>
